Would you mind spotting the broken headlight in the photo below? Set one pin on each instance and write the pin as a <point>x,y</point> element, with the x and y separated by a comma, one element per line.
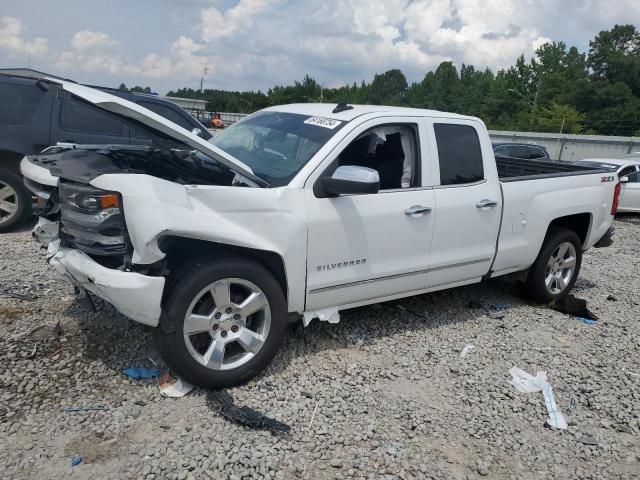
<point>92,220</point>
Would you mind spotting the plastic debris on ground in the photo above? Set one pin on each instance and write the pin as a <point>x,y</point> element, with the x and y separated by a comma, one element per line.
<point>138,373</point>
<point>222,402</point>
<point>77,460</point>
<point>173,387</point>
<point>495,311</point>
<point>98,408</point>
<point>527,383</point>
<point>22,296</point>
<point>576,307</point>
<point>331,315</point>
<point>466,350</point>
<point>588,321</point>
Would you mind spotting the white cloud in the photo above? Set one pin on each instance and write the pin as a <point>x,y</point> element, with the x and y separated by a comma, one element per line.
<point>12,41</point>
<point>217,24</point>
<point>87,40</point>
<point>259,43</point>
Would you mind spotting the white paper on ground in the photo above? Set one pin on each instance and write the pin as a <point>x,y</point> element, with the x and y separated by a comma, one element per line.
<point>173,387</point>
<point>330,315</point>
<point>466,349</point>
<point>527,383</point>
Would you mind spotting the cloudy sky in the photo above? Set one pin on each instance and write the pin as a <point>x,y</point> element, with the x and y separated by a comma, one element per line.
<point>254,44</point>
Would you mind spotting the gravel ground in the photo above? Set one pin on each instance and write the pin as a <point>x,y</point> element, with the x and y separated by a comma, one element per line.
<point>391,394</point>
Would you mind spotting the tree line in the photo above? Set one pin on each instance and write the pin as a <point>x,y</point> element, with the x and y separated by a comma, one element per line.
<point>560,89</point>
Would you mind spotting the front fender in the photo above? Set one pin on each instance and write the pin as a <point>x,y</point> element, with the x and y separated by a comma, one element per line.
<point>259,218</point>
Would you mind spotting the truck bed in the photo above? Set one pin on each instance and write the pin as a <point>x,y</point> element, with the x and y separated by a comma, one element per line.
<point>516,169</point>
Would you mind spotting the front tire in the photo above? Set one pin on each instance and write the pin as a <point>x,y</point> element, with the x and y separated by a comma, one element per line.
<point>225,321</point>
<point>15,201</point>
<point>556,269</point>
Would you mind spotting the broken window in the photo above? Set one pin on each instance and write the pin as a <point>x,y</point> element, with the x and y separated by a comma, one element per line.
<point>389,149</point>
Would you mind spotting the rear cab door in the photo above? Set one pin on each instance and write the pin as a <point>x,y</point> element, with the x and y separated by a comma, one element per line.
<point>371,246</point>
<point>468,201</point>
<point>25,114</point>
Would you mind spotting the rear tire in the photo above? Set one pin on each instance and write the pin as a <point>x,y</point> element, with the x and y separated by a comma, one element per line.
<point>201,319</point>
<point>556,269</point>
<point>15,201</point>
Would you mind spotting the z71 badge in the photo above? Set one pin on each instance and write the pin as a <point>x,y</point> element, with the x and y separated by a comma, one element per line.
<point>607,179</point>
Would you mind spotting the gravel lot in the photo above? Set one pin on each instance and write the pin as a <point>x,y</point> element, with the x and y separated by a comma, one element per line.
<point>392,396</point>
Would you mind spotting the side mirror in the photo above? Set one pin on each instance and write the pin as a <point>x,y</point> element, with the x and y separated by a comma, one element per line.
<point>352,180</point>
<point>624,179</point>
<point>196,131</point>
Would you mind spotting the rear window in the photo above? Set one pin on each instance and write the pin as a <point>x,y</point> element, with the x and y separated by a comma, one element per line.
<point>168,113</point>
<point>82,117</point>
<point>18,103</point>
<point>459,153</point>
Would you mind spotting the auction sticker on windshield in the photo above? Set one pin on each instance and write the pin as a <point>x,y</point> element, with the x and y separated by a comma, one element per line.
<point>323,122</point>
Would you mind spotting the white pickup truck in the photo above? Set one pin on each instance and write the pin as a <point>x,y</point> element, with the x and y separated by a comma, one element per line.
<point>302,211</point>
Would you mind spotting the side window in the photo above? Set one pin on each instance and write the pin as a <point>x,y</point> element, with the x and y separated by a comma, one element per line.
<point>634,177</point>
<point>501,150</point>
<point>19,103</point>
<point>627,171</point>
<point>78,116</point>
<point>537,153</point>
<point>459,153</point>
<point>168,113</point>
<point>389,149</point>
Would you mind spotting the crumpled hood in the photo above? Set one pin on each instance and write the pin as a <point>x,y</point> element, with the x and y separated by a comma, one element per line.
<point>133,111</point>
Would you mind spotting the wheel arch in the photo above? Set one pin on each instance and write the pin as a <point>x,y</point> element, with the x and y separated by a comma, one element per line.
<point>580,223</point>
<point>10,160</point>
<point>179,250</point>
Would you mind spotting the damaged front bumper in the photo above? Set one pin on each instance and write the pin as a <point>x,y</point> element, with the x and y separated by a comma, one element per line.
<point>134,295</point>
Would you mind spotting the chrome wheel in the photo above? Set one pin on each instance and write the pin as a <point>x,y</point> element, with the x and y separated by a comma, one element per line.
<point>8,202</point>
<point>227,323</point>
<point>560,268</point>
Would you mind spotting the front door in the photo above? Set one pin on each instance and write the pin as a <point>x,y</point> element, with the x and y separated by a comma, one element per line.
<point>368,246</point>
<point>630,190</point>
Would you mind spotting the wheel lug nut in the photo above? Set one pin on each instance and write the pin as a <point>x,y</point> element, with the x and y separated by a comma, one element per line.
<point>236,316</point>
<point>228,310</point>
<point>218,315</point>
<point>234,328</point>
<point>215,326</point>
<point>223,333</point>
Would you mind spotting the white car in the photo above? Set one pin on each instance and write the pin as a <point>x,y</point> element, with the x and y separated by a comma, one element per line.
<point>628,170</point>
<point>300,211</point>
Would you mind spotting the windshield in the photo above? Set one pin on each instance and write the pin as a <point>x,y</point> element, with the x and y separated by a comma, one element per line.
<point>592,164</point>
<point>276,145</point>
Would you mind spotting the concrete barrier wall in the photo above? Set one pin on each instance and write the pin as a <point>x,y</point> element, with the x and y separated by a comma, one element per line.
<point>573,147</point>
<point>560,146</point>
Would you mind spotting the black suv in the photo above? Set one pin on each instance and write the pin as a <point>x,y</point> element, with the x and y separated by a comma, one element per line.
<point>35,114</point>
<point>527,151</point>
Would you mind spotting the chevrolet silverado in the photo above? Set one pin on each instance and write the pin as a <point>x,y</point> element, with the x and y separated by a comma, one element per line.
<point>300,211</point>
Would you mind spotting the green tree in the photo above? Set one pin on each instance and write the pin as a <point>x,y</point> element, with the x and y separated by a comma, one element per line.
<point>558,118</point>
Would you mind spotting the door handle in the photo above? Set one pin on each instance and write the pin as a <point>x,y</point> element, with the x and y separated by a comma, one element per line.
<point>417,210</point>
<point>486,203</point>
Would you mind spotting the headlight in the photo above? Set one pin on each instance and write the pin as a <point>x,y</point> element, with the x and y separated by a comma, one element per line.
<point>92,220</point>
<point>86,199</point>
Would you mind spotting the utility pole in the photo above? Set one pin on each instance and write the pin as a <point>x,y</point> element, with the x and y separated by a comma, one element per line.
<point>205,71</point>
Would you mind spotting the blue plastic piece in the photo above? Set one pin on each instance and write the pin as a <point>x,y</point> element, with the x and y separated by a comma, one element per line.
<point>77,460</point>
<point>588,321</point>
<point>141,373</point>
